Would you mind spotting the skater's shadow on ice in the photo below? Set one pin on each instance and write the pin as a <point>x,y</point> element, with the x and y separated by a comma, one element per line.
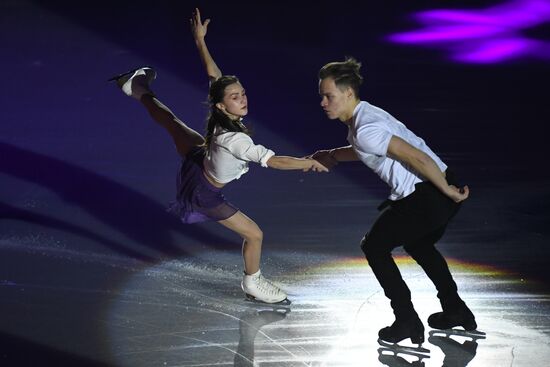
<point>9,212</point>
<point>139,218</point>
<point>249,326</point>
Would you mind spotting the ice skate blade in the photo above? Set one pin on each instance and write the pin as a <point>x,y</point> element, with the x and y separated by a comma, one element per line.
<point>397,348</point>
<point>284,302</point>
<point>474,334</point>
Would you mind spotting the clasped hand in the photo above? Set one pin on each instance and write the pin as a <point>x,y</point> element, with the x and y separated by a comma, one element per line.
<point>324,157</point>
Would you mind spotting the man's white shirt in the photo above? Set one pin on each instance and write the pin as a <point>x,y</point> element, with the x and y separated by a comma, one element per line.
<point>369,135</point>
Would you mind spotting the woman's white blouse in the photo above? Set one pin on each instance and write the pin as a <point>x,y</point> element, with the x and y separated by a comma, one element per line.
<point>229,153</point>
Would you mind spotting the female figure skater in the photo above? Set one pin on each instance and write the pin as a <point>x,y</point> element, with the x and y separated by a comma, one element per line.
<point>212,161</point>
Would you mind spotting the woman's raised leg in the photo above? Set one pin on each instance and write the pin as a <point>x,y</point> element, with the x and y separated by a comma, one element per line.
<point>137,84</point>
<point>183,136</point>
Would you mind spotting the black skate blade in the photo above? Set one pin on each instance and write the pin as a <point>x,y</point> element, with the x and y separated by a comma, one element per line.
<point>284,302</point>
<point>117,77</point>
<point>404,349</point>
<point>474,334</point>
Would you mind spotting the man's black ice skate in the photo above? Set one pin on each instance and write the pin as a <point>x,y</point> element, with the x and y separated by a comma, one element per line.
<point>449,319</point>
<point>403,329</point>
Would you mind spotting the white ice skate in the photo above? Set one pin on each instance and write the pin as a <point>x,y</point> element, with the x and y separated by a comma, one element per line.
<point>136,83</point>
<point>259,289</point>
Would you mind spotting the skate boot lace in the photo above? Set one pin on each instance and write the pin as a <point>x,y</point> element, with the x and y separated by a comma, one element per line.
<point>266,286</point>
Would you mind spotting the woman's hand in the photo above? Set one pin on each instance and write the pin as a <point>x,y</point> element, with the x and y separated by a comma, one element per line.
<point>315,166</point>
<point>325,157</point>
<point>198,28</point>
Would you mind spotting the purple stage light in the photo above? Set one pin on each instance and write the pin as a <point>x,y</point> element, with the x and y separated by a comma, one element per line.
<point>447,33</point>
<point>494,51</point>
<point>488,35</point>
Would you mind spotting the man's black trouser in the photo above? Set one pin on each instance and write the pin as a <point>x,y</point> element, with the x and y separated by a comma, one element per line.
<point>415,222</point>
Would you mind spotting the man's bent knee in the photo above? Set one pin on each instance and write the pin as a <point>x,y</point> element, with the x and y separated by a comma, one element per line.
<point>372,248</point>
<point>363,244</point>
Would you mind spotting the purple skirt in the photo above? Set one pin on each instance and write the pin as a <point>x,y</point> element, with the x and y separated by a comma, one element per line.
<point>197,199</point>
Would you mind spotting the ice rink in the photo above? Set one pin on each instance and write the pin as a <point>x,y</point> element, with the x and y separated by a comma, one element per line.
<point>95,272</point>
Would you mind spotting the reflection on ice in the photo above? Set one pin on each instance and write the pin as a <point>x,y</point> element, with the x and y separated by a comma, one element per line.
<point>192,313</point>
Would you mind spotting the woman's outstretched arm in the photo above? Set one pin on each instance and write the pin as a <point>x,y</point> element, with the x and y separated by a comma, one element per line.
<point>199,30</point>
<point>287,163</point>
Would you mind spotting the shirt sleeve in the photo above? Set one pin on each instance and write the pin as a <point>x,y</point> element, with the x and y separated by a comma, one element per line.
<point>242,147</point>
<point>373,139</point>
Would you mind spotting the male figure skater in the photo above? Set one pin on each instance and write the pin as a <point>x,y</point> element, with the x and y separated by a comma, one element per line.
<point>424,197</point>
